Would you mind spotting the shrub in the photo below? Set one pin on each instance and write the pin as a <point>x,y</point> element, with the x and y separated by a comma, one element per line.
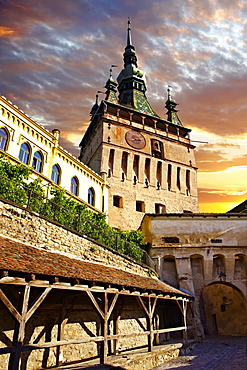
<point>65,210</point>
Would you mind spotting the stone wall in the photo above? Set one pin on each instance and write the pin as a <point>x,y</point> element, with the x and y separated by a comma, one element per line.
<point>17,222</point>
<point>192,251</point>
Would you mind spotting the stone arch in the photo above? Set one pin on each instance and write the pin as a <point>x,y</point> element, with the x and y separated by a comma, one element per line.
<point>223,309</point>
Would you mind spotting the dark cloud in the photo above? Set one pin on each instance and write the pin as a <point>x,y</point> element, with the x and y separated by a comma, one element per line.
<point>55,56</point>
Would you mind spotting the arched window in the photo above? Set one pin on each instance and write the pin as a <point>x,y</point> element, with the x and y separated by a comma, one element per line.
<point>3,139</point>
<point>55,174</point>
<point>74,186</point>
<point>91,196</point>
<point>24,153</point>
<point>37,161</point>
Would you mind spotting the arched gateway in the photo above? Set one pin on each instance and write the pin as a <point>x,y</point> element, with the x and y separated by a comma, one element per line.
<point>223,309</point>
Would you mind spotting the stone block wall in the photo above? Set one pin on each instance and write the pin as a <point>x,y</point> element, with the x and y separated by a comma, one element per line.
<point>82,322</point>
<point>18,223</point>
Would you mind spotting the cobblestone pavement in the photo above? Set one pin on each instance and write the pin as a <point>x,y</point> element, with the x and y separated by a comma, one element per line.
<point>215,353</point>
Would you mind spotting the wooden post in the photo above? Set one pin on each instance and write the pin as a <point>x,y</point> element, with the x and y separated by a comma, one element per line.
<point>105,315</point>
<point>60,335</point>
<point>157,326</point>
<point>149,316</point>
<point>104,332</point>
<point>21,320</point>
<point>21,328</point>
<point>64,316</point>
<point>116,322</point>
<point>190,306</point>
<point>185,332</point>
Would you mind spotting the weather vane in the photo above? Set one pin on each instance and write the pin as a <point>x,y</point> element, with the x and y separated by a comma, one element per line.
<point>112,66</point>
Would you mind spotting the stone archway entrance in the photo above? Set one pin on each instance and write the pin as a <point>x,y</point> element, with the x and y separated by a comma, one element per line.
<point>224,308</point>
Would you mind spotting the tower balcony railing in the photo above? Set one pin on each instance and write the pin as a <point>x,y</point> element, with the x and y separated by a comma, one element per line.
<point>22,195</point>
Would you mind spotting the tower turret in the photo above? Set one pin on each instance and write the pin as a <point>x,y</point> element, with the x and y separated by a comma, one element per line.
<point>171,109</point>
<point>111,88</point>
<point>94,107</point>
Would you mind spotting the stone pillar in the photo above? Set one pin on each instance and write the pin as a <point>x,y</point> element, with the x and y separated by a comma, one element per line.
<point>229,268</point>
<point>117,168</point>
<point>141,177</point>
<point>153,170</point>
<point>130,174</point>
<point>208,268</point>
<point>105,159</point>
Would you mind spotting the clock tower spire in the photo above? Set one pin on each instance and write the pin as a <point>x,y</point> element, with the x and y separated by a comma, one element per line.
<point>147,161</point>
<point>131,80</point>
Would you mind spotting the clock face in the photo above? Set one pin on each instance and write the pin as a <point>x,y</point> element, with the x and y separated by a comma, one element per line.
<point>135,139</point>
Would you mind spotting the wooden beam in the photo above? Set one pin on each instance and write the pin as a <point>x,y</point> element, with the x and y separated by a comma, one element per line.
<point>3,273</point>
<point>112,305</point>
<point>4,350</point>
<point>37,303</point>
<point>139,300</point>
<point>154,306</point>
<point>95,303</point>
<point>181,309</point>
<point>10,306</point>
<point>30,347</point>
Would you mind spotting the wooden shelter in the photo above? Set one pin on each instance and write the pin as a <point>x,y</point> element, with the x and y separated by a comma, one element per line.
<point>32,278</point>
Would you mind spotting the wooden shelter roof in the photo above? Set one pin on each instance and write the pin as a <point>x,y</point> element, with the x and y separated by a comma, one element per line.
<point>26,259</point>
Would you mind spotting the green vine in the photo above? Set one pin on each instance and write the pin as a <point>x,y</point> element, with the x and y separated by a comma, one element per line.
<point>65,210</point>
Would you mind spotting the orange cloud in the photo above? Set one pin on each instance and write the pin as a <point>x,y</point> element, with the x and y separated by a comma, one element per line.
<point>6,31</point>
<point>213,160</point>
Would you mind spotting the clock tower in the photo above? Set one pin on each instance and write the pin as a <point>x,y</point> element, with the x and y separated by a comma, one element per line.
<point>148,161</point>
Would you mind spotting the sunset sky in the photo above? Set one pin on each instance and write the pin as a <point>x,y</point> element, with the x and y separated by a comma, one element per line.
<point>56,55</point>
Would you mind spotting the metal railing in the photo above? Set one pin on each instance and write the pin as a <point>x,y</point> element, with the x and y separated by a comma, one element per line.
<point>27,197</point>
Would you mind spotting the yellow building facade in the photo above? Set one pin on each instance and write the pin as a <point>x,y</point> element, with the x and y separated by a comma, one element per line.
<point>25,141</point>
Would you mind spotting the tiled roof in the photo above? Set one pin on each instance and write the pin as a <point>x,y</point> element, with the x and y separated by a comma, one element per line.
<point>23,258</point>
<point>229,214</point>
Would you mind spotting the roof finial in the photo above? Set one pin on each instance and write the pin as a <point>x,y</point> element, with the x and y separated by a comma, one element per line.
<point>169,92</point>
<point>112,66</point>
<point>129,41</point>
